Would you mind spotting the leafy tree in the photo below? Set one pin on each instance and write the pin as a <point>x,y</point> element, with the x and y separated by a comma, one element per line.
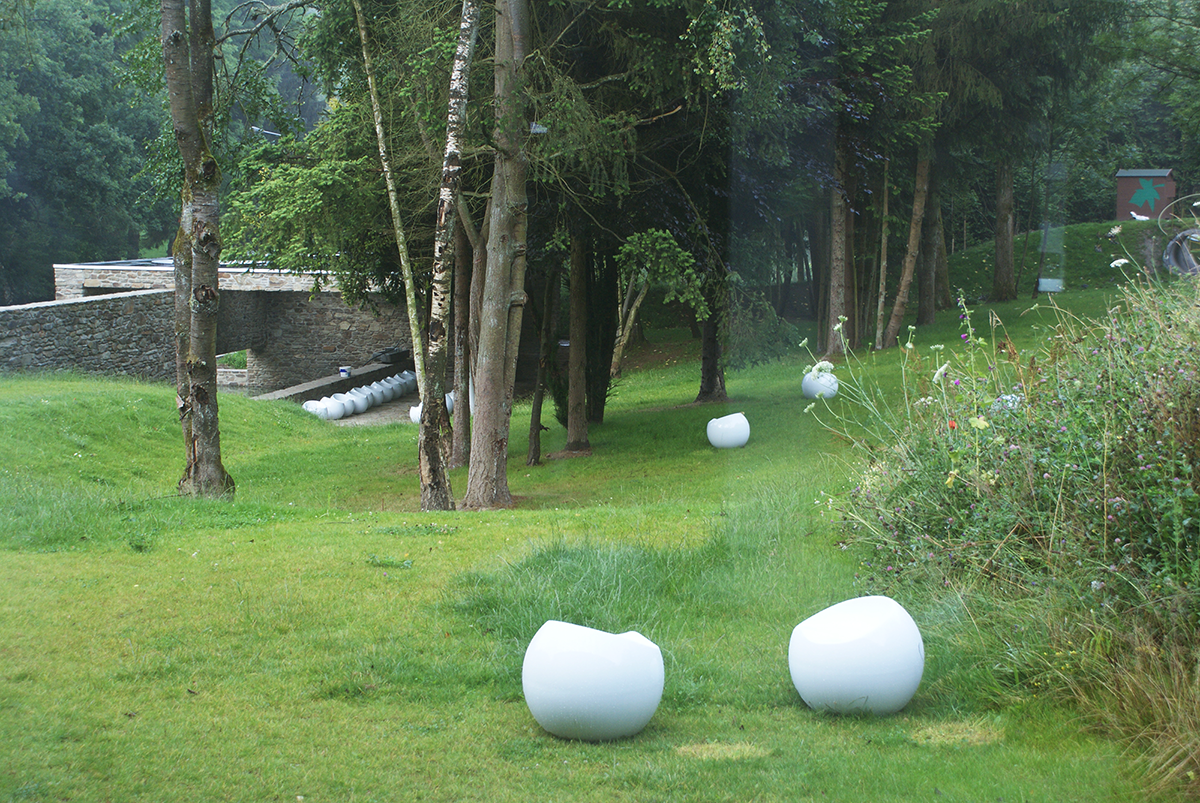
<point>71,147</point>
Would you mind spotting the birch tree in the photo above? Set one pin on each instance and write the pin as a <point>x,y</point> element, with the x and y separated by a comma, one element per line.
<point>433,442</point>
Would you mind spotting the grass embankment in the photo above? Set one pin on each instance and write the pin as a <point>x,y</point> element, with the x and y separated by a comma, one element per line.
<point>318,638</point>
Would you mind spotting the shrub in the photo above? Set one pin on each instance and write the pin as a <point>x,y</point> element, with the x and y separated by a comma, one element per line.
<point>1067,478</point>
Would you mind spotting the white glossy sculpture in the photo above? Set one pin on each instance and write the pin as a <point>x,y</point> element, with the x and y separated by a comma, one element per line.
<point>347,400</point>
<point>361,400</point>
<point>332,408</point>
<point>819,385</point>
<point>385,391</point>
<point>587,684</point>
<point>864,654</point>
<point>313,406</point>
<point>410,381</point>
<point>450,402</point>
<point>414,413</point>
<point>729,432</point>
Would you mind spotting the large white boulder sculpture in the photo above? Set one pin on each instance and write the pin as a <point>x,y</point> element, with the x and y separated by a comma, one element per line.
<point>819,385</point>
<point>729,432</point>
<point>864,654</point>
<point>587,684</point>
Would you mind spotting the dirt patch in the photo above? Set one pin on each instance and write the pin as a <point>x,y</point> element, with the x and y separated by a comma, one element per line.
<point>717,751</point>
<point>566,454</point>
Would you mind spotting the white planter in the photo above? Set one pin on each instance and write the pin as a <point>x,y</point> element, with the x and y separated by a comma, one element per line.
<point>819,385</point>
<point>312,406</point>
<point>386,394</point>
<point>864,654</point>
<point>582,683</point>
<point>729,432</point>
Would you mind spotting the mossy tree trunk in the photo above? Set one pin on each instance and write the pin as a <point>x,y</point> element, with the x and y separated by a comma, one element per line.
<point>188,44</point>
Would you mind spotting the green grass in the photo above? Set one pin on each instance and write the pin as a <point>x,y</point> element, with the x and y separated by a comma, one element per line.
<point>320,638</point>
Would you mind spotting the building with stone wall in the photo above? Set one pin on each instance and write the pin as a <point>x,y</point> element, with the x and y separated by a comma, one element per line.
<point>116,317</point>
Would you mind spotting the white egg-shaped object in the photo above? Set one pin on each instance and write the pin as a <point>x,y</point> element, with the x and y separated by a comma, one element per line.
<point>347,400</point>
<point>312,406</point>
<point>396,386</point>
<point>729,432</point>
<point>414,413</point>
<point>374,394</point>
<point>410,381</point>
<point>450,402</point>
<point>864,654</point>
<point>819,385</point>
<point>362,399</point>
<point>582,683</point>
<point>386,394</point>
<point>333,408</point>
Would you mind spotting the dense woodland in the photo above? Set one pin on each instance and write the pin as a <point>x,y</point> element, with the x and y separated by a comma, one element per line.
<point>747,162</point>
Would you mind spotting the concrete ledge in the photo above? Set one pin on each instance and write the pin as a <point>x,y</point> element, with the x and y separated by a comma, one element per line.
<point>328,385</point>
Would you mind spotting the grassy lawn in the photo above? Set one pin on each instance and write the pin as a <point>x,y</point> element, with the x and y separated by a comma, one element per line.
<point>320,639</point>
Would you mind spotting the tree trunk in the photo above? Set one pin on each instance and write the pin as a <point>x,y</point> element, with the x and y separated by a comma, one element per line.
<point>460,450</point>
<point>629,310</point>
<point>181,255</point>
<point>602,313</point>
<point>1004,286</point>
<point>416,330</point>
<point>944,296</point>
<point>712,375</point>
<point>433,440</point>
<point>837,252</point>
<point>188,60</point>
<point>927,285</point>
<point>545,358</point>
<point>577,419</point>
<point>883,253</point>
<point>921,188</point>
<point>503,295</point>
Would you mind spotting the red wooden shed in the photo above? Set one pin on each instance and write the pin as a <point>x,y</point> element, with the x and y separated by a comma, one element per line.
<point>1143,193</point>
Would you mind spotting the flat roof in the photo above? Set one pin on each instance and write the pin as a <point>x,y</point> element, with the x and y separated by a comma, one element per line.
<point>1143,173</point>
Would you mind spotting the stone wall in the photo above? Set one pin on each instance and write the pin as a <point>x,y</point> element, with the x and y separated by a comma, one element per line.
<point>291,337</point>
<point>97,278</point>
<point>128,333</point>
<point>306,337</point>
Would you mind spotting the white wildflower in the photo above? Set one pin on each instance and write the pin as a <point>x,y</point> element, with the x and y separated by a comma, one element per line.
<point>1114,231</point>
<point>823,367</point>
<point>809,407</point>
<point>804,342</point>
<point>938,347</point>
<point>1116,263</point>
<point>941,372</point>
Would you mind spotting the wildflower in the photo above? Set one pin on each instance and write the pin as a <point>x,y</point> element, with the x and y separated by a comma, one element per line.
<point>1116,263</point>
<point>941,372</point>
<point>950,478</point>
<point>953,424</point>
<point>979,422</point>
<point>965,336</point>
<point>938,347</point>
<point>837,327</point>
<point>804,342</point>
<point>809,407</point>
<point>1114,231</point>
<point>823,367</point>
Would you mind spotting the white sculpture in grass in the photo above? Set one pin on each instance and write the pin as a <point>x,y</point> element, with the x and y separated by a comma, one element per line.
<point>864,654</point>
<point>729,432</point>
<point>819,382</point>
<point>582,683</point>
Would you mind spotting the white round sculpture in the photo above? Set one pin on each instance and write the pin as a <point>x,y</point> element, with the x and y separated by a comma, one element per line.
<point>347,400</point>
<point>864,654</point>
<point>729,432</point>
<point>414,413</point>
<point>819,385</point>
<point>312,406</point>
<point>450,402</point>
<point>587,684</point>
<point>386,394</point>
<point>361,400</point>
<point>332,408</point>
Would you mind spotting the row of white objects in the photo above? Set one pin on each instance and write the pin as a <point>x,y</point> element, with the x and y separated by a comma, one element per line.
<point>861,655</point>
<point>360,399</point>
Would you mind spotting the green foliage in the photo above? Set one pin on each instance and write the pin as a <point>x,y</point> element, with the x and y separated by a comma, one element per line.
<point>653,257</point>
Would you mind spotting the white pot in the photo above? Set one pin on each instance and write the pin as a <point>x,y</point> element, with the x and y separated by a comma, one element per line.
<point>362,399</point>
<point>414,413</point>
<point>312,406</point>
<point>729,432</point>
<point>333,408</point>
<point>582,683</point>
<point>385,393</point>
<point>864,654</point>
<point>819,385</point>
<point>394,385</point>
